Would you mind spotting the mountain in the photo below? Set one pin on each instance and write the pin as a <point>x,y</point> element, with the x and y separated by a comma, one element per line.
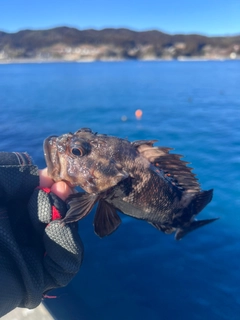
<point>70,44</point>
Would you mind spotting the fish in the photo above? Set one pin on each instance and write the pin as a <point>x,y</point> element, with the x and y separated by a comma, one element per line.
<point>136,178</point>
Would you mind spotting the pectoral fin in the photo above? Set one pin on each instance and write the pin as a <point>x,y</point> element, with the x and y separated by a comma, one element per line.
<point>80,205</point>
<point>106,219</point>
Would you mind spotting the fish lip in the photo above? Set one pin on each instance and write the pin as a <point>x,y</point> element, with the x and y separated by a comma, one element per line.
<point>47,147</point>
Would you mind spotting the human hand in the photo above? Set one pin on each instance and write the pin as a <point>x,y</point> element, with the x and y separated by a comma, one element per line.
<point>37,252</point>
<point>63,247</point>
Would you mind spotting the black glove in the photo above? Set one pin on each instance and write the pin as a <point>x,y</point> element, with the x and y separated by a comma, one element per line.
<point>37,252</point>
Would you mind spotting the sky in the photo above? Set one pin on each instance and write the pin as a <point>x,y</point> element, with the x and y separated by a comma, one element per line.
<point>208,17</point>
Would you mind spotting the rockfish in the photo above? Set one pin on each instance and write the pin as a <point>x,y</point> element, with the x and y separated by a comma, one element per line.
<point>135,178</point>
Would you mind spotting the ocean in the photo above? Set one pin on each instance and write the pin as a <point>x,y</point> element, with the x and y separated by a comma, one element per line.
<point>192,106</point>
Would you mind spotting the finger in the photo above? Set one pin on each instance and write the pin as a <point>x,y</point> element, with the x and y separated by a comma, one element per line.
<point>62,190</point>
<point>64,251</point>
<point>45,180</point>
<point>45,206</point>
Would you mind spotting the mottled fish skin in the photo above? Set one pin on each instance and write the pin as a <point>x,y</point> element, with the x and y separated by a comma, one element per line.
<point>136,178</point>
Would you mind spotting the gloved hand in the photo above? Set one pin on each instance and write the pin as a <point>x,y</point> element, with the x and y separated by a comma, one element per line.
<point>37,252</point>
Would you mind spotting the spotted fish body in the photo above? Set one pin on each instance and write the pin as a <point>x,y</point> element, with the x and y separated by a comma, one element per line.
<point>135,178</point>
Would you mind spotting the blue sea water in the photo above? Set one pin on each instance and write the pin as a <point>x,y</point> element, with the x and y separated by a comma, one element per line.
<point>193,107</point>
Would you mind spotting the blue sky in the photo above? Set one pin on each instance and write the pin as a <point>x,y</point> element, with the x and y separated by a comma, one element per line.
<point>210,17</point>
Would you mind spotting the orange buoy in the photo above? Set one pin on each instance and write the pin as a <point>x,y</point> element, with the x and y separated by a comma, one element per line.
<point>138,114</point>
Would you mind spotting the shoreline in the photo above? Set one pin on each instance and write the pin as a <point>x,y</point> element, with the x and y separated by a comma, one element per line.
<point>180,59</point>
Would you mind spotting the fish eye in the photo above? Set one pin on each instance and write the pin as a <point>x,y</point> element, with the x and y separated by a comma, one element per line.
<point>77,152</point>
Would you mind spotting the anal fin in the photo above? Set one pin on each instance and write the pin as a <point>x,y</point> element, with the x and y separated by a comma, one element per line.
<point>163,228</point>
<point>106,219</point>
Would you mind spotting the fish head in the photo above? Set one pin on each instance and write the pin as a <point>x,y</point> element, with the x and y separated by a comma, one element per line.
<point>83,159</point>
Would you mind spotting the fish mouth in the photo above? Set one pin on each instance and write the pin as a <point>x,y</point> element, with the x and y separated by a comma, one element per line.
<point>51,157</point>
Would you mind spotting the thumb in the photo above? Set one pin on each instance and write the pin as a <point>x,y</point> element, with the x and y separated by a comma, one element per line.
<point>62,190</point>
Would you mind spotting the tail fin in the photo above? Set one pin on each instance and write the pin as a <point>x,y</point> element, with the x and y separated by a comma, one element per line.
<point>181,232</point>
<point>198,202</point>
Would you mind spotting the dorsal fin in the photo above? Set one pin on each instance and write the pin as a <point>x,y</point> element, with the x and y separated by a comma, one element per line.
<point>148,143</point>
<point>145,147</point>
<point>174,168</point>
